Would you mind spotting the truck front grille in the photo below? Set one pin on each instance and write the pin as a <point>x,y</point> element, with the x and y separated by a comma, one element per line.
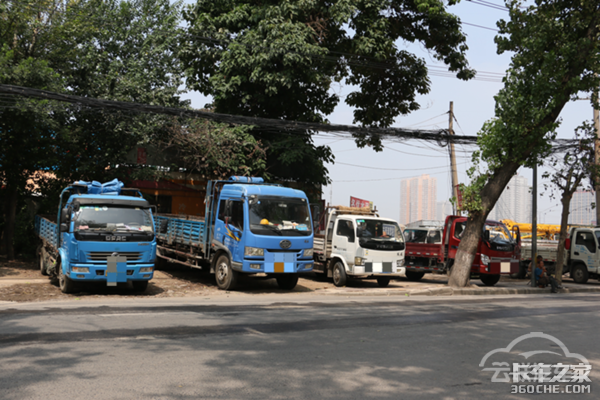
<point>132,256</point>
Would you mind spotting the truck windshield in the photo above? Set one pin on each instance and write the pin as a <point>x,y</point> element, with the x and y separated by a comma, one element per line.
<point>112,219</point>
<point>279,216</point>
<point>498,233</point>
<point>423,236</point>
<point>376,234</point>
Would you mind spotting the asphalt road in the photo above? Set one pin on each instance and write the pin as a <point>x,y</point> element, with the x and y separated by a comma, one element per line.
<point>310,347</point>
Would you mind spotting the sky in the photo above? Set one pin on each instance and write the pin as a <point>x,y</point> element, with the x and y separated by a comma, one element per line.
<point>376,176</point>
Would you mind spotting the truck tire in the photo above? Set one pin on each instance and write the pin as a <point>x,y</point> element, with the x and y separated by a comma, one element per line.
<point>339,274</point>
<point>287,281</point>
<point>580,273</point>
<point>40,257</point>
<point>414,275</point>
<point>382,281</point>
<point>140,286</point>
<point>64,282</point>
<point>489,280</point>
<point>225,276</point>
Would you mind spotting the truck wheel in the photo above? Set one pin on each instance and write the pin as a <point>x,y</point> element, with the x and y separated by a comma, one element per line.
<point>40,257</point>
<point>489,280</point>
<point>225,276</point>
<point>339,274</point>
<point>287,281</point>
<point>449,265</point>
<point>580,273</point>
<point>140,286</point>
<point>66,285</point>
<point>414,275</point>
<point>383,281</point>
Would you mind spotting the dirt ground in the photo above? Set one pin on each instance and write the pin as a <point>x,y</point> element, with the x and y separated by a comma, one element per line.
<point>21,281</point>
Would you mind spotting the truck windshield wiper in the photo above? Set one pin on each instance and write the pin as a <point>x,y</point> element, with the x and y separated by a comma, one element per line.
<point>271,227</point>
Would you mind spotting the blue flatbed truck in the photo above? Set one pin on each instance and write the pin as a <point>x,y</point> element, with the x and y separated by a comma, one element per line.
<point>249,227</point>
<point>104,233</point>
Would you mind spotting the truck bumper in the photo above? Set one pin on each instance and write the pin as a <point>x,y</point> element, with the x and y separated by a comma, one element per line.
<point>495,268</point>
<point>261,266</point>
<point>125,273</point>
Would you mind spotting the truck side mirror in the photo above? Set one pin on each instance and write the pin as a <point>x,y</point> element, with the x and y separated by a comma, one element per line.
<point>64,227</point>
<point>64,215</point>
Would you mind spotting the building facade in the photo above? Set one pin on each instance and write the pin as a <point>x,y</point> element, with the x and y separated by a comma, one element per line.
<point>514,202</point>
<point>580,209</point>
<point>418,199</point>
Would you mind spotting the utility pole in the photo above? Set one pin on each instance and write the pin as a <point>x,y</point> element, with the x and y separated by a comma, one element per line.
<point>534,225</point>
<point>597,160</point>
<point>453,158</point>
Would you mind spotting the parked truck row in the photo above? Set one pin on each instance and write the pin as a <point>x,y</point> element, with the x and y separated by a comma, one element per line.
<point>111,234</point>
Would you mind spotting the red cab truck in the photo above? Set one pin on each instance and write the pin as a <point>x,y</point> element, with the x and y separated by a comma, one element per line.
<point>431,248</point>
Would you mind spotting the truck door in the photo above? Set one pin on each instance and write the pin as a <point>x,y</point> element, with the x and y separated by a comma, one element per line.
<point>229,227</point>
<point>344,240</point>
<point>585,249</point>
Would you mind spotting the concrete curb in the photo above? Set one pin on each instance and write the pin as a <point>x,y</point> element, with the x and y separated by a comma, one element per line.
<point>448,291</point>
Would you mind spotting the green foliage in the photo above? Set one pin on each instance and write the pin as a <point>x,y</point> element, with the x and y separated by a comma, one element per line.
<point>280,59</point>
<point>216,151</point>
<point>556,53</point>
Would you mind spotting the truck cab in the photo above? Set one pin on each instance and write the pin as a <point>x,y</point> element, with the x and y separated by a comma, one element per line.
<point>259,228</point>
<point>498,253</point>
<point>584,254</point>
<point>359,244</point>
<point>103,236</point>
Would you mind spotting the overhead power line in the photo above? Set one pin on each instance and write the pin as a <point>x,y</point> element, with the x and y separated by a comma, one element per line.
<point>439,136</point>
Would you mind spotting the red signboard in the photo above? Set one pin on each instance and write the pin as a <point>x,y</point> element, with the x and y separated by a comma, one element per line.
<point>360,203</point>
<point>459,197</point>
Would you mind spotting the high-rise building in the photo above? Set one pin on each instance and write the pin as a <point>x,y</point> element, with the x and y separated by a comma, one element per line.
<point>444,208</point>
<point>514,202</point>
<point>580,209</point>
<point>418,198</point>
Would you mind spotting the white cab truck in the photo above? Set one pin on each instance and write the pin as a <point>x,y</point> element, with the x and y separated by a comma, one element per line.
<point>358,244</point>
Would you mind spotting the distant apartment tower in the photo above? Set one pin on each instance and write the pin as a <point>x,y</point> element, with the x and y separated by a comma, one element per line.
<point>514,202</point>
<point>418,198</point>
<point>444,208</point>
<point>580,209</point>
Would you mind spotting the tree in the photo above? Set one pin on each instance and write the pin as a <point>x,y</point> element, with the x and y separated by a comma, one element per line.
<point>28,128</point>
<point>279,59</point>
<point>556,53</point>
<point>126,51</point>
<point>110,49</point>
<point>575,166</point>
<point>216,151</point>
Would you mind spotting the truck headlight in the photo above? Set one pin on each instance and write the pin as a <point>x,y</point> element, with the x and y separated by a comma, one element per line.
<point>399,263</point>
<point>359,261</point>
<point>253,251</point>
<point>485,260</point>
<point>308,253</point>
<point>146,269</point>
<point>80,269</point>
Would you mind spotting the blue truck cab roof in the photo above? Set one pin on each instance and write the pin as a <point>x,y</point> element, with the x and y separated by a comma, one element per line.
<point>242,190</point>
<point>85,199</point>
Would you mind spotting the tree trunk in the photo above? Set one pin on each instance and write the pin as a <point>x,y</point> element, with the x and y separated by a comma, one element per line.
<point>9,220</point>
<point>459,276</point>
<point>562,236</point>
